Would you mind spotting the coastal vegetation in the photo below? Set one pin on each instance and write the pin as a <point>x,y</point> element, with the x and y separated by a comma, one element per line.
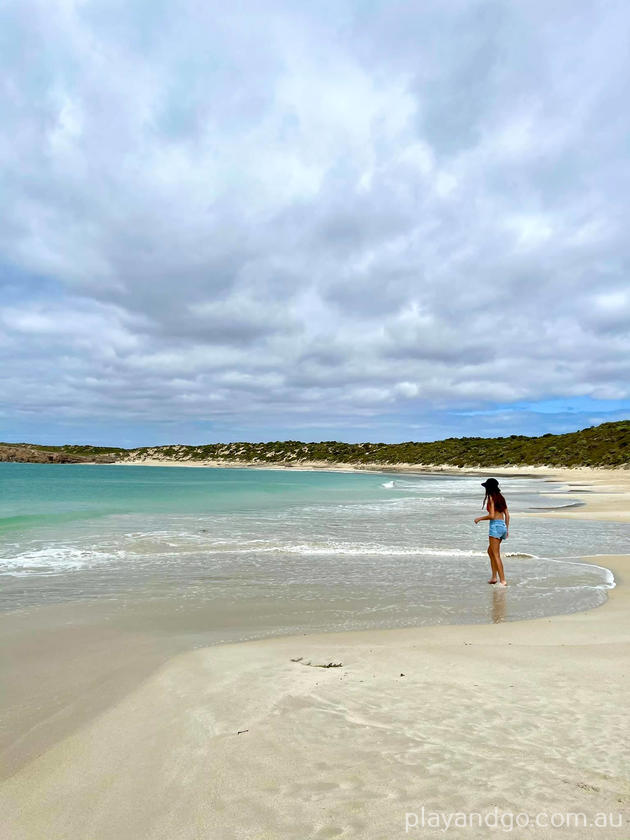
<point>37,454</point>
<point>606,445</point>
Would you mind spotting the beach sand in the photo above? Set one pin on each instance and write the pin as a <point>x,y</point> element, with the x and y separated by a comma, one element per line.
<point>527,717</point>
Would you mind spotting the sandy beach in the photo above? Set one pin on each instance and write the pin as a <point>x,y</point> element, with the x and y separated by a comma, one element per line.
<point>254,740</point>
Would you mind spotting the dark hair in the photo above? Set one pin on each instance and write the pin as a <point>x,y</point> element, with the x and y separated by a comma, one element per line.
<point>500,505</point>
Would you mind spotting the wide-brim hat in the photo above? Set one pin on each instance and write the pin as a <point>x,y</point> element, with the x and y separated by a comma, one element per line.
<point>490,484</point>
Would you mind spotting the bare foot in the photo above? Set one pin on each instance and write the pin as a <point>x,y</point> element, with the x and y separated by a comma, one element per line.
<point>503,583</point>
<point>494,580</point>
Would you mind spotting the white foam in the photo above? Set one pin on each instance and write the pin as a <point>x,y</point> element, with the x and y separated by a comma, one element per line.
<point>609,583</point>
<point>55,560</point>
<point>205,543</point>
<point>357,549</point>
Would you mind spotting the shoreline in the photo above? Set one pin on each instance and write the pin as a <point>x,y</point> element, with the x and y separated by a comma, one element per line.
<point>525,470</point>
<point>188,707</point>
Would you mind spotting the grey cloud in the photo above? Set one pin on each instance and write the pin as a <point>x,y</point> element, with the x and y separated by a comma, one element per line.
<point>213,215</point>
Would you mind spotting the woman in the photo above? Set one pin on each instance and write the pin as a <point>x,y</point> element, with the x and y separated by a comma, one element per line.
<point>499,517</point>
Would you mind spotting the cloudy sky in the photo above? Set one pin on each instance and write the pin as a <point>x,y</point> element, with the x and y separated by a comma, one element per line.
<point>353,219</point>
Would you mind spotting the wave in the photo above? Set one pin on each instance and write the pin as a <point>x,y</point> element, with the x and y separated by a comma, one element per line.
<point>68,559</point>
<point>371,549</point>
<point>25,521</point>
<point>55,560</point>
<point>429,493</point>
<point>610,583</point>
<point>560,507</point>
<point>261,546</point>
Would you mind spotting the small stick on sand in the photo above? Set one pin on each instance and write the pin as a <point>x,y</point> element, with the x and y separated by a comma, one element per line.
<point>329,665</point>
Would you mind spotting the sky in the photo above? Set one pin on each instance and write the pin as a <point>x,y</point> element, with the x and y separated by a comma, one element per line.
<point>344,219</point>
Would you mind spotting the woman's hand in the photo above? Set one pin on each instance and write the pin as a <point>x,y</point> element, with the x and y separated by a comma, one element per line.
<point>507,534</point>
<point>478,520</point>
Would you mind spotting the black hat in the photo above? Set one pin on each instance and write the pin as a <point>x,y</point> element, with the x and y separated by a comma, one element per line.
<point>490,484</point>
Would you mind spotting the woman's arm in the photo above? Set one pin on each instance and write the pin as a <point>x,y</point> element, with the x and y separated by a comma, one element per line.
<point>507,522</point>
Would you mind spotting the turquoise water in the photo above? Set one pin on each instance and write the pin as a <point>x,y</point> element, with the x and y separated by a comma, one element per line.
<point>288,550</point>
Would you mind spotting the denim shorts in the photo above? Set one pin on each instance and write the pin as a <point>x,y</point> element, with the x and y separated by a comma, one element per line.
<point>498,529</point>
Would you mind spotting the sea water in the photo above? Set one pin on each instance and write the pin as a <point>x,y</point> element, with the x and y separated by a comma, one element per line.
<point>257,552</point>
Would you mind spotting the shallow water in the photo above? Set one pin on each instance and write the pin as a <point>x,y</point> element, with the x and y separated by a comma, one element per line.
<point>264,551</point>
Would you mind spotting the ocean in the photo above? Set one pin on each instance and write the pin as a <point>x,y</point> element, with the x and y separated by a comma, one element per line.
<point>226,554</point>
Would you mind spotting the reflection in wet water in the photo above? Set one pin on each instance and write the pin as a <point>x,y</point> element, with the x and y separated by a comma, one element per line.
<point>499,603</point>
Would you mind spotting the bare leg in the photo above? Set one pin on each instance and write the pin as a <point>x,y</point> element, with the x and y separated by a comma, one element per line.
<point>495,546</point>
<point>493,565</point>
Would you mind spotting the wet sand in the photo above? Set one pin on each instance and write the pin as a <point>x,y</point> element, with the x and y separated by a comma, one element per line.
<point>527,717</point>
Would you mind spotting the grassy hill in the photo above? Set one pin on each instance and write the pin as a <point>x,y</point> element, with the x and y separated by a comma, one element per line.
<point>36,454</point>
<point>607,445</point>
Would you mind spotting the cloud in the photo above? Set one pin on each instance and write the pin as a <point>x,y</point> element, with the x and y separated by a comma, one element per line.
<point>358,214</point>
